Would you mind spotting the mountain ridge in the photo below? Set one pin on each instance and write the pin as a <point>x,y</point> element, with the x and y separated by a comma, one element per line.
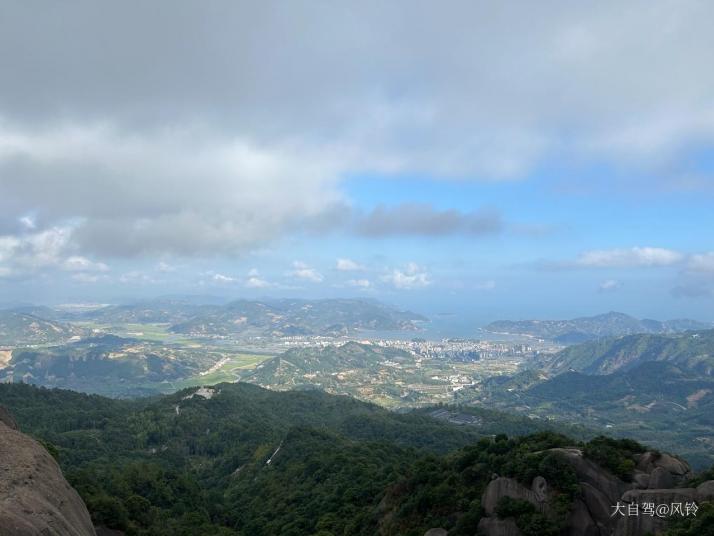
<point>582,329</point>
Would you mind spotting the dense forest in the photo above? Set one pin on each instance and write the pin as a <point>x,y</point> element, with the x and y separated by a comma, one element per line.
<point>236,459</point>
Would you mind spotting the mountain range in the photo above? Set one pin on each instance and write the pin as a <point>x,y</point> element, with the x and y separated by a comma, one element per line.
<point>692,350</point>
<point>588,328</point>
<point>106,364</point>
<point>298,317</point>
<point>23,328</point>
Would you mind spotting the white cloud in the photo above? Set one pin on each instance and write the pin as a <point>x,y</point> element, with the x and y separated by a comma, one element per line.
<point>223,279</point>
<point>214,159</point>
<point>165,267</point>
<point>133,277</point>
<point>305,272</point>
<point>28,223</point>
<point>359,283</point>
<point>348,265</point>
<point>78,263</point>
<point>27,253</point>
<point>411,277</point>
<point>631,257</point>
<point>701,262</point>
<point>609,285</point>
<point>183,191</point>
<point>257,282</point>
<point>83,277</point>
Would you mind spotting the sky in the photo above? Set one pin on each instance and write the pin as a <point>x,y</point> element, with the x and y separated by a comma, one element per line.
<point>497,160</point>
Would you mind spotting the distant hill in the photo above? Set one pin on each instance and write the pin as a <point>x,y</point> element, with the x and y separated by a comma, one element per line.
<point>298,317</point>
<point>19,328</point>
<point>655,402</point>
<point>161,310</point>
<point>105,364</point>
<point>584,329</point>
<point>318,365</point>
<point>691,350</point>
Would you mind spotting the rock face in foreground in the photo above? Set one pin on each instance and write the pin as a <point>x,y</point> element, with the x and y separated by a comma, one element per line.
<point>655,479</point>
<point>35,499</point>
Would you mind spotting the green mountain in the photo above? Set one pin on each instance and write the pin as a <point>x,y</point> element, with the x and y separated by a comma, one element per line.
<point>588,328</point>
<point>691,350</point>
<point>297,317</point>
<point>235,459</point>
<point>19,328</point>
<point>159,310</point>
<point>657,402</point>
<point>106,364</point>
<point>320,365</point>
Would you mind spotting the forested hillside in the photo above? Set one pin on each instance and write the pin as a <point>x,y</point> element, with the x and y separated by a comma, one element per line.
<point>236,459</point>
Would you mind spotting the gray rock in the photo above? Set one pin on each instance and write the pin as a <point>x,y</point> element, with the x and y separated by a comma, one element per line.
<point>580,522</point>
<point>491,526</point>
<point>591,473</point>
<point>649,461</point>
<point>661,478</point>
<point>642,524</point>
<point>705,490</point>
<point>436,532</point>
<point>507,487</point>
<point>641,480</point>
<point>598,506</point>
<point>539,486</point>
<point>34,496</point>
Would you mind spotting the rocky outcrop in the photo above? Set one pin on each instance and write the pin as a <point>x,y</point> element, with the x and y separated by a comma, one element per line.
<point>643,524</point>
<point>35,499</point>
<point>664,464</point>
<point>493,526</point>
<point>591,473</point>
<point>509,487</point>
<point>655,482</point>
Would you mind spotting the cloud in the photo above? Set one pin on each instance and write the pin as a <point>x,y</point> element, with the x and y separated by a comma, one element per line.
<point>165,267</point>
<point>701,262</point>
<point>609,285</point>
<point>423,219</point>
<point>83,277</point>
<point>30,252</point>
<point>182,191</point>
<point>631,257</point>
<point>78,263</point>
<point>359,283</point>
<point>201,150</point>
<point>466,91</point>
<point>411,277</point>
<point>28,223</point>
<point>134,277</point>
<point>223,279</point>
<point>255,280</point>
<point>348,265</point>
<point>306,273</point>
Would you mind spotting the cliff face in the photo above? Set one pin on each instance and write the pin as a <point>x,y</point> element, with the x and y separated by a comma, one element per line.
<point>35,498</point>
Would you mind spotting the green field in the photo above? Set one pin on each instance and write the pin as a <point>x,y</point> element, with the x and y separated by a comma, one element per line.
<point>229,371</point>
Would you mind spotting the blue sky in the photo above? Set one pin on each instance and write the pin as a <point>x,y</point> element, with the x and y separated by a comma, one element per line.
<point>500,161</point>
